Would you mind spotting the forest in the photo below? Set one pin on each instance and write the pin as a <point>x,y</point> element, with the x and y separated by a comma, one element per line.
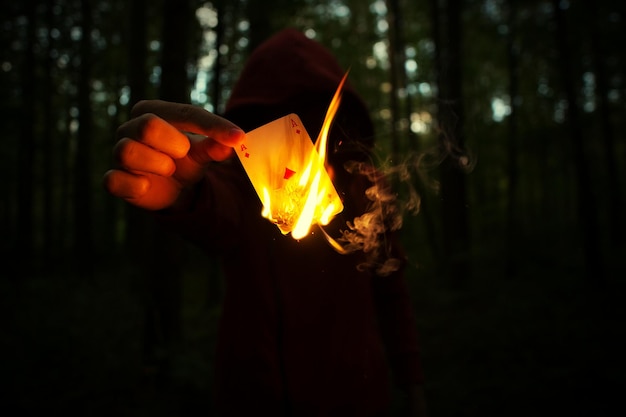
<point>506,117</point>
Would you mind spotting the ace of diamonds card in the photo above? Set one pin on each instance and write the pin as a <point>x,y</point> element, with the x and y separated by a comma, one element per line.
<point>274,156</point>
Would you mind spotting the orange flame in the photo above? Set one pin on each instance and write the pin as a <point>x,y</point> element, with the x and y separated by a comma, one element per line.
<point>314,199</point>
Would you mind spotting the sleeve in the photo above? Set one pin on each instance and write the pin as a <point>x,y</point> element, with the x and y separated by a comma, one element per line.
<point>210,215</point>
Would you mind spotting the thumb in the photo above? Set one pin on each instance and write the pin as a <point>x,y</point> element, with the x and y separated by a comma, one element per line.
<point>206,149</point>
<point>202,151</point>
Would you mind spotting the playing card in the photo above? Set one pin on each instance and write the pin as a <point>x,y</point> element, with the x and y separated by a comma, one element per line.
<point>275,156</point>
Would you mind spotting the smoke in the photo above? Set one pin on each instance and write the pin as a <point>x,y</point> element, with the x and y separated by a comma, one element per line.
<point>392,197</point>
<point>385,212</point>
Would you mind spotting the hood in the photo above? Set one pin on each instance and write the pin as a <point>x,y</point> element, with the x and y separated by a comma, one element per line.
<point>290,71</point>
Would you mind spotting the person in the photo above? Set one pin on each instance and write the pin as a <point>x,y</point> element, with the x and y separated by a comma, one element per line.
<point>304,330</point>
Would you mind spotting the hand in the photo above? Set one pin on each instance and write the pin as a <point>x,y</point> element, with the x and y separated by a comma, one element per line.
<point>155,162</point>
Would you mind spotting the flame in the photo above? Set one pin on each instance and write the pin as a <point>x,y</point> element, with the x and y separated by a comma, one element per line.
<point>310,197</point>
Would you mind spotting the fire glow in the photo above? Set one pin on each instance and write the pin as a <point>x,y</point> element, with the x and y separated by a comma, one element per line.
<point>292,182</point>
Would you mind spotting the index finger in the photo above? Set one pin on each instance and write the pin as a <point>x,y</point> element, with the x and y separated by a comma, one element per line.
<point>193,119</point>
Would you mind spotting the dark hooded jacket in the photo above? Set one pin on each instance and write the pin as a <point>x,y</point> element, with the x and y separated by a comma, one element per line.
<point>303,332</point>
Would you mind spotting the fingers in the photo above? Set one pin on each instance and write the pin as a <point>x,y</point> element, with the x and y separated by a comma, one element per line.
<point>155,133</point>
<point>125,185</point>
<point>148,191</point>
<point>164,148</point>
<point>131,155</point>
<point>194,119</point>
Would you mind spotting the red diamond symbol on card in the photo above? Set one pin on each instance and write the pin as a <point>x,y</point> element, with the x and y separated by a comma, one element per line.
<point>298,131</point>
<point>247,155</point>
<point>288,173</point>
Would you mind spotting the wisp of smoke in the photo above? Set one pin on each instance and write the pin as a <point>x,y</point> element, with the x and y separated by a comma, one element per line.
<point>385,213</point>
<point>387,209</point>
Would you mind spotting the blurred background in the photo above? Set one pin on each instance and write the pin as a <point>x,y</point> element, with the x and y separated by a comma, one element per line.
<point>507,114</point>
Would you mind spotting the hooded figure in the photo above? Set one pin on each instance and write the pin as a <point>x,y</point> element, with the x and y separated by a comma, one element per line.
<point>304,330</point>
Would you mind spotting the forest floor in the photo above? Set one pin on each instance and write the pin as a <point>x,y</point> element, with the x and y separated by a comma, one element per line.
<point>542,344</point>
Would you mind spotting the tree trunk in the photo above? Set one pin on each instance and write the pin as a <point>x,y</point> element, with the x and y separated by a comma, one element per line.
<point>616,204</point>
<point>83,243</point>
<point>447,36</point>
<point>26,146</point>
<point>396,63</point>
<point>594,270</point>
<point>260,22</point>
<point>216,86</point>
<point>175,51</point>
<point>48,138</point>
<point>512,218</point>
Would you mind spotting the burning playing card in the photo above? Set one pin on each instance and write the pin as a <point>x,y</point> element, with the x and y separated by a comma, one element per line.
<point>289,176</point>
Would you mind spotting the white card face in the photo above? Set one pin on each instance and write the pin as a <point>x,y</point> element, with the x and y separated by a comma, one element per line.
<point>274,156</point>
<point>271,150</point>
